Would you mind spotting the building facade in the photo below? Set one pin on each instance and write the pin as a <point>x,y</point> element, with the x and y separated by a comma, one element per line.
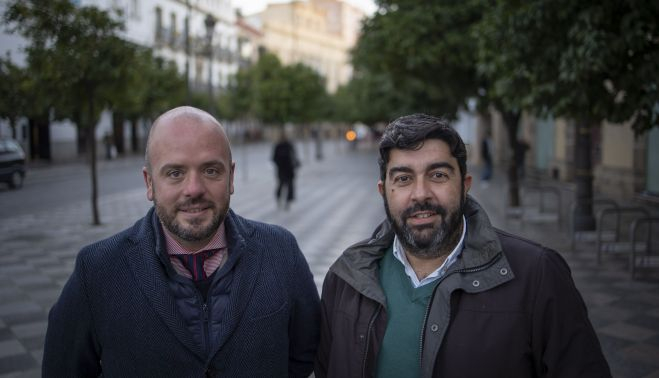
<point>200,36</point>
<point>317,33</point>
<point>182,31</point>
<point>625,165</point>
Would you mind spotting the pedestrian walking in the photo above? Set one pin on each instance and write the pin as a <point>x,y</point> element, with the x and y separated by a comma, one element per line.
<point>486,155</point>
<point>520,157</point>
<point>286,162</point>
<point>437,291</point>
<point>192,289</point>
<point>108,142</point>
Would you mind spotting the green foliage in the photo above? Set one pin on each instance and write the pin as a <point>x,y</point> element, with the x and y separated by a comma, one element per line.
<point>163,87</point>
<point>239,102</point>
<point>369,98</point>
<point>278,94</point>
<point>587,60</point>
<point>76,52</point>
<point>13,81</point>
<point>426,50</point>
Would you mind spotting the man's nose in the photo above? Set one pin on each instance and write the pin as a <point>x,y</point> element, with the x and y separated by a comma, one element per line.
<point>420,190</point>
<point>194,185</point>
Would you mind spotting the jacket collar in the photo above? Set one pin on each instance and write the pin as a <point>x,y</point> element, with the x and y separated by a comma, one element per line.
<point>144,259</point>
<point>358,265</point>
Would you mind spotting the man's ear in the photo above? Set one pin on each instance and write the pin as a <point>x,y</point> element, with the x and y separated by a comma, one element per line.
<point>233,170</point>
<point>467,184</point>
<point>381,187</point>
<point>148,181</point>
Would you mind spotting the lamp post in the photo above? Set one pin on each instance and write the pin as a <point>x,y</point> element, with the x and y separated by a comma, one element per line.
<point>210,28</point>
<point>187,52</point>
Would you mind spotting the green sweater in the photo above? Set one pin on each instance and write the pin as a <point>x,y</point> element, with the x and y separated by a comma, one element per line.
<point>406,308</point>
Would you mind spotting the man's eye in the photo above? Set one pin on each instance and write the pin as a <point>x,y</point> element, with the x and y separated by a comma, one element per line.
<point>174,173</point>
<point>401,179</point>
<point>212,171</point>
<point>439,175</point>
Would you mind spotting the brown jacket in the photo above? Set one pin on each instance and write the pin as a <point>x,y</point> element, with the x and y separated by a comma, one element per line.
<point>507,308</point>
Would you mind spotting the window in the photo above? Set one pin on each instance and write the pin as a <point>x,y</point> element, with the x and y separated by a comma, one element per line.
<point>135,9</point>
<point>173,35</point>
<point>159,31</point>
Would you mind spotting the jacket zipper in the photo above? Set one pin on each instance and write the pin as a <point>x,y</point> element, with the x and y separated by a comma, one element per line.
<point>204,320</point>
<point>368,338</point>
<point>425,316</point>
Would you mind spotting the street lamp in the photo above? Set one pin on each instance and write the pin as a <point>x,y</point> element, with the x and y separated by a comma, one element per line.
<point>210,28</point>
<point>187,52</point>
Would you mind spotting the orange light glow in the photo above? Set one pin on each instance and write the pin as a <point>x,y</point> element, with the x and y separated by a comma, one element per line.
<point>351,135</point>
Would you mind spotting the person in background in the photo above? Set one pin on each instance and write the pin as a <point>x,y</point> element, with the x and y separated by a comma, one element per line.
<point>192,289</point>
<point>108,142</point>
<point>520,157</point>
<point>437,291</point>
<point>286,162</point>
<point>486,155</point>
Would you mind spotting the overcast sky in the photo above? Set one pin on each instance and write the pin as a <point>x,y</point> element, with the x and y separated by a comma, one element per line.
<point>253,6</point>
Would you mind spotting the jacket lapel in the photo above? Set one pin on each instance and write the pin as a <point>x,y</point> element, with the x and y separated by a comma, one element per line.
<point>245,274</point>
<point>150,275</point>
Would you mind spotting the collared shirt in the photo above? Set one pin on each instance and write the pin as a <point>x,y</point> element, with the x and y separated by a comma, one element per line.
<point>219,241</point>
<point>399,253</point>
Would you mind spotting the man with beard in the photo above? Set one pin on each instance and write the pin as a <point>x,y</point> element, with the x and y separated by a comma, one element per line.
<point>192,289</point>
<point>438,292</point>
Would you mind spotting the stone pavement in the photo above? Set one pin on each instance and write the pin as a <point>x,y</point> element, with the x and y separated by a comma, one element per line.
<point>337,204</point>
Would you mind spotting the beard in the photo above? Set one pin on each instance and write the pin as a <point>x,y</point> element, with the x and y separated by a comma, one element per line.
<point>194,231</point>
<point>429,241</point>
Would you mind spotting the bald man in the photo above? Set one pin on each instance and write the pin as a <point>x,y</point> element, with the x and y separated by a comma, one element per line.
<point>192,289</point>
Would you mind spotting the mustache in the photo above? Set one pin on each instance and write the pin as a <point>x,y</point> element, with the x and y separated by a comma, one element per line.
<point>424,207</point>
<point>195,202</point>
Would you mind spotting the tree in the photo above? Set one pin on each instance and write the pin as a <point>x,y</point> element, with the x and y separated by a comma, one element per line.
<point>433,65</point>
<point>427,51</point>
<point>239,99</point>
<point>369,98</point>
<point>588,60</point>
<point>306,89</point>
<point>507,89</point>
<point>13,95</point>
<point>84,57</point>
<point>155,86</point>
<point>277,94</point>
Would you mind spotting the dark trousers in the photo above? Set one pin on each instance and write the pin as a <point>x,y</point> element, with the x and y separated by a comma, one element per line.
<point>286,183</point>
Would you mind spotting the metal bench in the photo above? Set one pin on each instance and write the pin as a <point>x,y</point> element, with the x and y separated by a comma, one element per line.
<point>590,236</point>
<point>620,243</point>
<point>643,249</point>
<point>547,208</point>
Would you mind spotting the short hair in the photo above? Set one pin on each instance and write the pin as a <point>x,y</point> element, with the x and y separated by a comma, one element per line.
<point>410,131</point>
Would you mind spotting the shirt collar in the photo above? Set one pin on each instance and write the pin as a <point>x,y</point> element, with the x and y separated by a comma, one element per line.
<point>399,253</point>
<point>219,241</point>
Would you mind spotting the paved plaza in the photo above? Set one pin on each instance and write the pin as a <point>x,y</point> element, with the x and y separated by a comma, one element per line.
<point>337,204</point>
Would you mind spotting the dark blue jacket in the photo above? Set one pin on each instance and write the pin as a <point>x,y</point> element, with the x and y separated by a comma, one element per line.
<point>125,313</point>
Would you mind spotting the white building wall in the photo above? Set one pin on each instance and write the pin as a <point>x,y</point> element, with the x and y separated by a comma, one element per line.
<point>139,17</point>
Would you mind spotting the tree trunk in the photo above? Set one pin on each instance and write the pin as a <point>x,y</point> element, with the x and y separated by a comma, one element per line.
<point>91,137</point>
<point>584,218</point>
<point>40,138</point>
<point>511,119</point>
<point>118,132</point>
<point>134,139</point>
<point>12,126</point>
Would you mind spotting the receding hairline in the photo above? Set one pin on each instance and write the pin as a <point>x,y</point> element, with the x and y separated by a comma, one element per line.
<point>183,112</point>
<point>187,112</point>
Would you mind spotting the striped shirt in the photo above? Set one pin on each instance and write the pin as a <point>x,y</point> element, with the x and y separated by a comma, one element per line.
<point>219,241</point>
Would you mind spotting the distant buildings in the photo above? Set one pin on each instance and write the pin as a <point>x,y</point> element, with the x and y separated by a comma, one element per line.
<point>318,33</point>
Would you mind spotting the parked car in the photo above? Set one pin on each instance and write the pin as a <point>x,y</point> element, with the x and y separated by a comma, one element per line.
<point>12,163</point>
